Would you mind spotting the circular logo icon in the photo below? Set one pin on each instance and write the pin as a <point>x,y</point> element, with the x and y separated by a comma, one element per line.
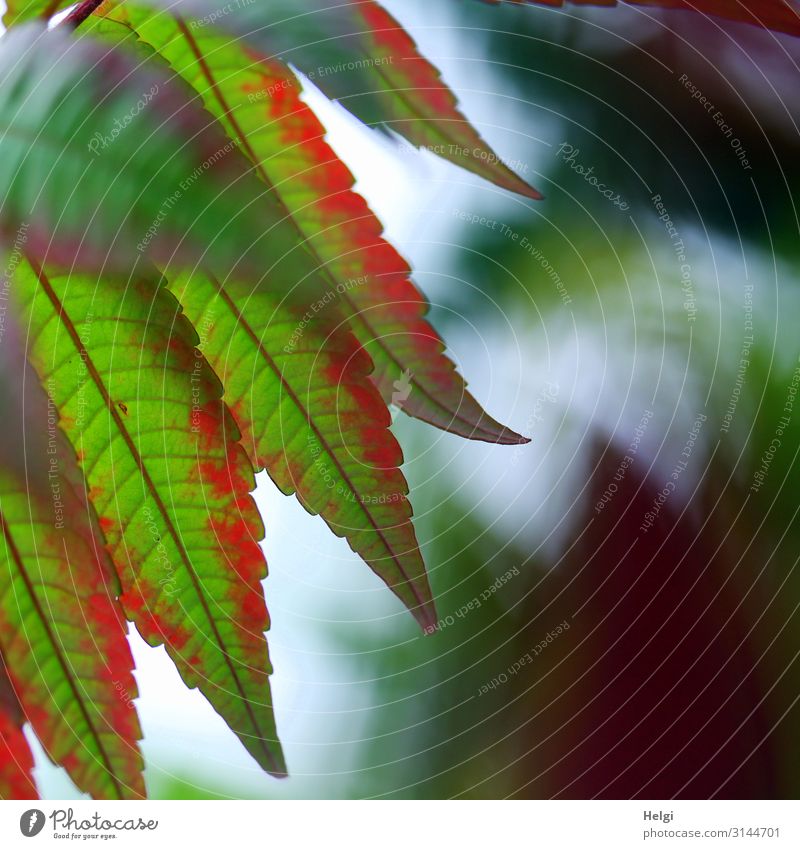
<point>31,822</point>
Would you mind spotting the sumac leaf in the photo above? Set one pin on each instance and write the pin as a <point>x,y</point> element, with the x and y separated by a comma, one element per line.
<point>258,102</point>
<point>311,417</point>
<point>169,480</point>
<point>356,52</point>
<point>62,632</point>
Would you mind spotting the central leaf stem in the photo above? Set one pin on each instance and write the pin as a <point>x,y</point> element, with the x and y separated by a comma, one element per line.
<point>80,13</point>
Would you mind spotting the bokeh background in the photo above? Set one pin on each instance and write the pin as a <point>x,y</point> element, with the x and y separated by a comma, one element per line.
<point>619,598</point>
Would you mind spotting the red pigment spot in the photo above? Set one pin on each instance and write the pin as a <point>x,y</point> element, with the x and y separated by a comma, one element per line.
<point>235,535</point>
<point>338,369</point>
<point>334,176</point>
<point>252,88</point>
<point>253,55</point>
<point>229,475</point>
<point>123,717</point>
<point>283,99</point>
<point>384,261</point>
<point>398,292</point>
<point>37,715</point>
<point>107,523</point>
<point>253,606</point>
<point>205,423</point>
<point>382,26</point>
<point>216,475</point>
<point>298,138</point>
<point>346,205</point>
<point>16,761</point>
<point>105,613</point>
<point>6,726</point>
<point>70,762</point>
<point>282,88</point>
<point>381,449</point>
<point>151,625</point>
<point>240,412</point>
<point>370,404</point>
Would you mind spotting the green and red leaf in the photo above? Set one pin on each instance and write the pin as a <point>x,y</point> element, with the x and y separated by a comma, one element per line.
<point>400,89</point>
<point>169,480</point>
<point>356,52</point>
<point>136,498</point>
<point>259,104</point>
<point>62,632</point>
<point>106,162</point>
